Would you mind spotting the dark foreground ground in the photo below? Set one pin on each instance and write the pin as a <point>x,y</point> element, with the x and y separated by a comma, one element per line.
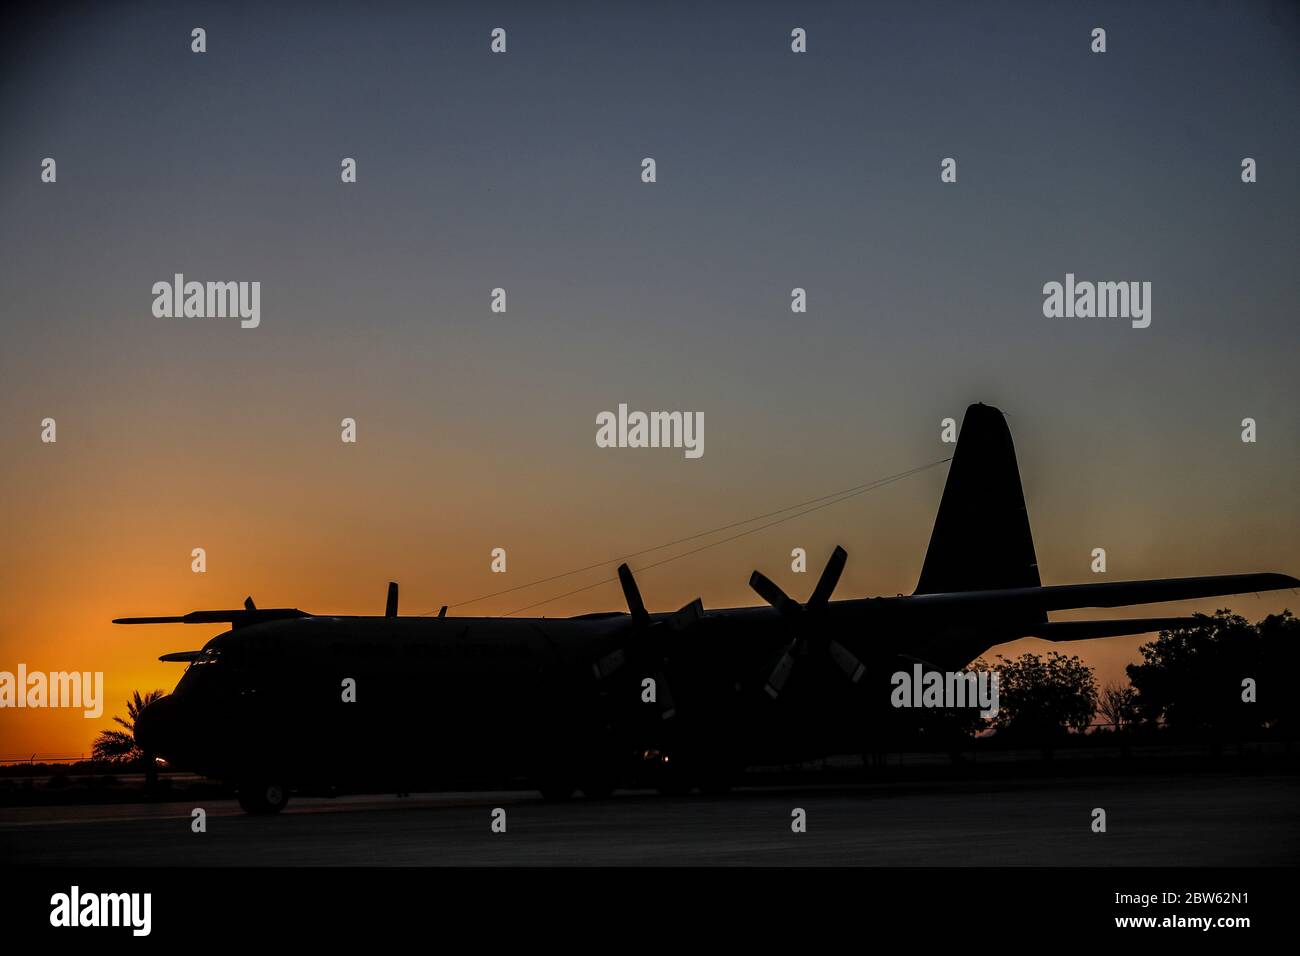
<point>1168,820</point>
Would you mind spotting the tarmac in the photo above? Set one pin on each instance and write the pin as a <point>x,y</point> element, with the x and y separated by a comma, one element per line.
<point>1152,820</point>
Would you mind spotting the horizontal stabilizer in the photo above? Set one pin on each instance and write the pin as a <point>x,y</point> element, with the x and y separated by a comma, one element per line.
<point>237,617</point>
<point>1087,630</point>
<point>1061,597</point>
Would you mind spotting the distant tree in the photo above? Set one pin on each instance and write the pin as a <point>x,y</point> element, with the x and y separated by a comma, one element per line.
<point>948,729</point>
<point>1043,699</point>
<point>119,746</point>
<point>1276,695</point>
<point>1118,705</point>
<point>1196,679</point>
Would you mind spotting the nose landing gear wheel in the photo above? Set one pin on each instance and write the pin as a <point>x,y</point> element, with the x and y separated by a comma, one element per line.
<point>262,796</point>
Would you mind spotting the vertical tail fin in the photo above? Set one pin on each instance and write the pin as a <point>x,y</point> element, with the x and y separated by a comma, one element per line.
<point>981,538</point>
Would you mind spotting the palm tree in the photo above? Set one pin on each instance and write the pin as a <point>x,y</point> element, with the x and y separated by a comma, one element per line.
<point>118,746</point>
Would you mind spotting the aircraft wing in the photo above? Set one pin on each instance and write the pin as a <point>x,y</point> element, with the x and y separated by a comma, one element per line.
<point>238,617</point>
<point>1088,630</point>
<point>1060,597</point>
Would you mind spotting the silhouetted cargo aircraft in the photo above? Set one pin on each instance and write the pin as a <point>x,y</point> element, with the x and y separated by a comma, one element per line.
<point>564,701</point>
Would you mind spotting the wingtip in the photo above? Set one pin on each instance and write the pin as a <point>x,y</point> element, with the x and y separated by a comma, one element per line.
<point>1275,580</point>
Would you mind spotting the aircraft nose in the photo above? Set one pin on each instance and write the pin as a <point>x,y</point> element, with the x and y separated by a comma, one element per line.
<point>157,728</point>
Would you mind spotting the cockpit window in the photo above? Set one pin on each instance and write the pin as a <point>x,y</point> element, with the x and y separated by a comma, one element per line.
<point>209,655</point>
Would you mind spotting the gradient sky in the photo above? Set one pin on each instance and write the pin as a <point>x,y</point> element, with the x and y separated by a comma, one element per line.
<point>523,171</point>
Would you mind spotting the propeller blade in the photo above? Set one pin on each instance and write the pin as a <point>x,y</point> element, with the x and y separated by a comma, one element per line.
<point>769,591</point>
<point>687,616</point>
<point>852,667</point>
<point>644,638</point>
<point>821,595</point>
<point>609,663</point>
<point>632,594</point>
<point>780,674</point>
<point>181,657</point>
<point>390,607</point>
<point>616,658</point>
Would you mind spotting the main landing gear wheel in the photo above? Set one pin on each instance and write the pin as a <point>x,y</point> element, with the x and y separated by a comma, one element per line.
<point>262,797</point>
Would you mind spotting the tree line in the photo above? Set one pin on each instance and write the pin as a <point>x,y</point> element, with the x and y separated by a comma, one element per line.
<point>1219,678</point>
